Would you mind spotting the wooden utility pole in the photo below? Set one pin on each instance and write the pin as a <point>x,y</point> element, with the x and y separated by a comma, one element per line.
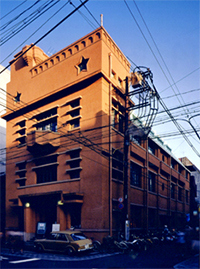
<point>125,159</point>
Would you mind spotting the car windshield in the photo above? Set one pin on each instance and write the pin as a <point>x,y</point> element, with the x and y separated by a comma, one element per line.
<point>78,236</point>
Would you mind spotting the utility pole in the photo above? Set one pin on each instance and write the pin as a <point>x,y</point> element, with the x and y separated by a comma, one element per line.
<point>146,93</point>
<point>125,159</point>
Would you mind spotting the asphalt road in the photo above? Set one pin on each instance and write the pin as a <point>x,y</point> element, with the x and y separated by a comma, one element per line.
<point>165,256</point>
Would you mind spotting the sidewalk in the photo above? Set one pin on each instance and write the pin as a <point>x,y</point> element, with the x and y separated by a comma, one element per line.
<point>190,263</point>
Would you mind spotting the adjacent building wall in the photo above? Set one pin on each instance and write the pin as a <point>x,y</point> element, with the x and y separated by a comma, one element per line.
<point>5,78</point>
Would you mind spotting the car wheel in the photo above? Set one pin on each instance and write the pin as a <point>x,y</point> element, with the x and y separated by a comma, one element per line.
<point>39,248</point>
<point>69,251</point>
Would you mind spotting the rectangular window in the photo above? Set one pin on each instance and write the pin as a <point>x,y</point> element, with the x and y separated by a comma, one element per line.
<point>74,174</point>
<point>121,123</point>
<point>73,163</point>
<point>22,140</point>
<point>179,193</point>
<point>46,174</point>
<point>136,174</point>
<point>21,173</point>
<point>47,120</point>
<point>136,139</point>
<point>165,157</point>
<point>152,182</point>
<point>117,165</point>
<point>172,191</point>
<point>113,74</point>
<point>73,113</point>
<point>117,116</point>
<point>151,149</point>
<point>119,82</point>
<point>46,169</point>
<point>74,124</point>
<point>114,118</point>
<point>181,169</point>
<point>75,103</point>
<point>187,196</point>
<point>21,132</point>
<point>173,164</point>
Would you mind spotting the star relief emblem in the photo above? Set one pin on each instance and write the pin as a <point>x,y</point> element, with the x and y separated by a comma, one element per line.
<point>82,65</point>
<point>17,97</point>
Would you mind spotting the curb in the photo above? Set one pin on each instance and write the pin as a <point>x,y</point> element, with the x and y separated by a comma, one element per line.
<point>56,257</point>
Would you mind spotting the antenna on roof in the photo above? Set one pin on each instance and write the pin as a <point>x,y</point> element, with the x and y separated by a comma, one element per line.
<point>101,19</point>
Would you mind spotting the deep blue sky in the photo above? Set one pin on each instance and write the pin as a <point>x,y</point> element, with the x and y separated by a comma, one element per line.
<point>175,28</point>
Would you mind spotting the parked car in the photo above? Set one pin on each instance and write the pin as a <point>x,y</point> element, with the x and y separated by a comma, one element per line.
<point>69,242</point>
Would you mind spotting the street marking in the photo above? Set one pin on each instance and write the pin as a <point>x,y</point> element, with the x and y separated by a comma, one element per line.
<point>27,260</point>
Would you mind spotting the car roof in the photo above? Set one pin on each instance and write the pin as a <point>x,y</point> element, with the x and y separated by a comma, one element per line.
<point>66,232</point>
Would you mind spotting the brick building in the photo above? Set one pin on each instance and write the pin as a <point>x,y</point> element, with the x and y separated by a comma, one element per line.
<point>194,192</point>
<point>65,146</point>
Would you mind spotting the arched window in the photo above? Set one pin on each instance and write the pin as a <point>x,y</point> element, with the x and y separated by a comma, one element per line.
<point>83,44</point>
<point>98,35</point>
<point>57,59</point>
<point>77,48</point>
<point>63,55</point>
<point>90,39</point>
<point>52,62</point>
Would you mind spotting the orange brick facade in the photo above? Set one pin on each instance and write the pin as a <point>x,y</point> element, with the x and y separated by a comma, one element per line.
<point>65,146</point>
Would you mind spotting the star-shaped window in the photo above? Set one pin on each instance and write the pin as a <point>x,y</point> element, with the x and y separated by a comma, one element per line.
<point>17,97</point>
<point>82,66</point>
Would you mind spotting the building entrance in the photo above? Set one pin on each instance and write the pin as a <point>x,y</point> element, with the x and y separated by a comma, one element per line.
<point>45,208</point>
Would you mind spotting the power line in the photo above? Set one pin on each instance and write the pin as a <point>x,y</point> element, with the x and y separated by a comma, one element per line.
<point>178,127</point>
<point>4,39</point>
<point>145,39</point>
<point>91,14</point>
<point>85,18</point>
<point>191,91</point>
<point>19,15</point>
<point>170,134</point>
<point>12,10</point>
<point>160,100</point>
<point>47,33</point>
<point>35,31</point>
<point>179,107</point>
<point>160,56</point>
<point>181,79</point>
